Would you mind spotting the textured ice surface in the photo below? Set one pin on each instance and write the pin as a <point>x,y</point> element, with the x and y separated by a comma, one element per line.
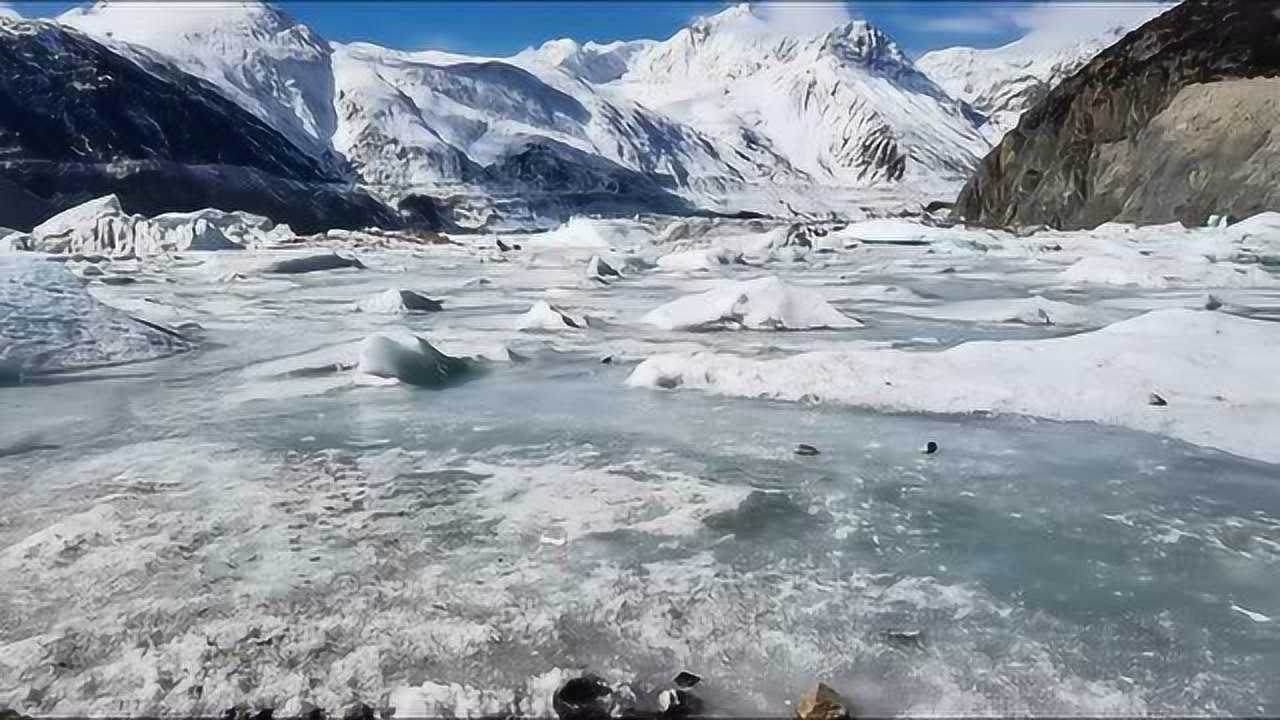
<point>254,523</point>
<point>49,322</point>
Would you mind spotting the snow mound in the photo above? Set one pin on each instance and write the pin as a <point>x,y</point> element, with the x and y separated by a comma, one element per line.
<point>699,260</point>
<point>101,226</point>
<point>884,293</point>
<point>1165,272</point>
<point>50,323</point>
<point>587,232</point>
<point>887,232</point>
<point>411,360</point>
<point>1213,370</point>
<point>395,301</point>
<point>545,316</point>
<point>762,304</point>
<point>1027,311</point>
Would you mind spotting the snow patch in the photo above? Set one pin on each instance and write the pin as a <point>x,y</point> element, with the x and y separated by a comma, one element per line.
<point>1213,370</point>
<point>762,304</point>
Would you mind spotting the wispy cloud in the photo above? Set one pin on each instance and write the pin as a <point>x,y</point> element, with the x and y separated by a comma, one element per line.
<point>802,18</point>
<point>1049,22</point>
<point>1066,21</point>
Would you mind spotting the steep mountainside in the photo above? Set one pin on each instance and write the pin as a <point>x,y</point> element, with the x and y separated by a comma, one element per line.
<point>1001,83</point>
<point>78,120</point>
<point>1175,122</point>
<point>256,54</point>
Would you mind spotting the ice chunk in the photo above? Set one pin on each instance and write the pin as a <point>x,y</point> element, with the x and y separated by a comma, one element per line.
<point>545,316</point>
<point>312,263</point>
<point>698,260</point>
<point>1215,371</point>
<point>102,226</point>
<point>763,304</point>
<point>593,233</point>
<point>412,360</point>
<point>398,301</point>
<point>49,322</point>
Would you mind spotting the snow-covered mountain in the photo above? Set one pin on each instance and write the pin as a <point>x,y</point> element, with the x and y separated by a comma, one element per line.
<point>842,107</point>
<point>256,54</point>
<point>1003,82</point>
<point>727,105</point>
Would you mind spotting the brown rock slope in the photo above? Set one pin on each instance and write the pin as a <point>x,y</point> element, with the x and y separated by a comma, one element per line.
<point>1177,121</point>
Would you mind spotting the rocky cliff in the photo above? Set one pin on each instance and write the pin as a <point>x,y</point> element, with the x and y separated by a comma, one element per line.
<point>1173,123</point>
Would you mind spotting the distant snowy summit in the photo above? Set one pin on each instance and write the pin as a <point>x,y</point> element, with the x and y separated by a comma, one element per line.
<point>1002,83</point>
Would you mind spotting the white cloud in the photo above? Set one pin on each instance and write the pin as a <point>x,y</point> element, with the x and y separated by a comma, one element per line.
<point>7,10</point>
<point>1052,22</point>
<point>802,18</point>
<point>1047,23</point>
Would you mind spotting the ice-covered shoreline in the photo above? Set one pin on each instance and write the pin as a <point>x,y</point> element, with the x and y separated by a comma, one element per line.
<point>1198,376</point>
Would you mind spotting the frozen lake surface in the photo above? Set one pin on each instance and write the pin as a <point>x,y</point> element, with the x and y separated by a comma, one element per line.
<point>257,522</point>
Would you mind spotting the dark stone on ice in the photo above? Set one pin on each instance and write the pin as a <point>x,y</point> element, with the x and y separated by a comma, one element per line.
<point>582,698</point>
<point>930,448</point>
<point>414,301</point>
<point>678,703</point>
<point>686,680</point>
<point>503,246</point>
<point>908,639</point>
<point>1156,401</point>
<point>807,450</point>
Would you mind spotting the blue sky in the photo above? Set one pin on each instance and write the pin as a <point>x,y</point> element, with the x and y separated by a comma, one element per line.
<point>498,28</point>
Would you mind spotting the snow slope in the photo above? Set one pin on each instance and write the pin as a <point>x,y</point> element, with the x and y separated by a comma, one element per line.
<point>1212,369</point>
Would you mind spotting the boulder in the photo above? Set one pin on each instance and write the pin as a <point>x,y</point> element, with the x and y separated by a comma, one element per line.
<point>822,703</point>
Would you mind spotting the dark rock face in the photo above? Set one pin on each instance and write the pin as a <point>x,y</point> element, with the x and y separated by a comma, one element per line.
<point>79,121</point>
<point>1173,123</point>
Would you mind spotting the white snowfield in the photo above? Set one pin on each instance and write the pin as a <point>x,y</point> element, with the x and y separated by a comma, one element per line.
<point>1215,371</point>
<point>763,304</point>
